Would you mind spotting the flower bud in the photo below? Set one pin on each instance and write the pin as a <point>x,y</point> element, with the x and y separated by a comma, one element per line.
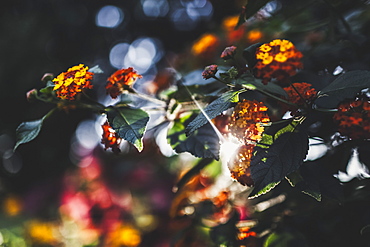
<point>210,71</point>
<point>47,77</point>
<point>228,53</point>
<point>31,95</point>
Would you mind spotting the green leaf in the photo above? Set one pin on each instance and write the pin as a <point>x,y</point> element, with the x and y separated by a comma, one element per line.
<point>47,93</point>
<point>247,79</point>
<point>249,54</point>
<point>284,238</point>
<point>271,162</point>
<point>318,180</point>
<point>27,131</point>
<point>264,190</point>
<point>229,75</point>
<point>129,123</point>
<point>250,9</point>
<point>203,143</point>
<point>308,186</point>
<point>215,108</point>
<point>346,86</point>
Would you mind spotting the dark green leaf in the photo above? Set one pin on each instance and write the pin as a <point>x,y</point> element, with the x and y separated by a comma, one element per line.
<point>307,185</point>
<point>284,238</point>
<point>249,54</point>
<point>250,82</point>
<point>277,156</point>
<point>317,179</point>
<point>203,143</point>
<point>129,123</point>
<point>229,75</point>
<point>27,131</point>
<point>346,86</point>
<point>250,9</point>
<point>215,108</point>
<point>47,93</point>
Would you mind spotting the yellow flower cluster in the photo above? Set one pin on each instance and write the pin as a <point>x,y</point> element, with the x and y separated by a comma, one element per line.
<point>246,120</point>
<point>246,124</point>
<point>68,84</point>
<point>277,59</point>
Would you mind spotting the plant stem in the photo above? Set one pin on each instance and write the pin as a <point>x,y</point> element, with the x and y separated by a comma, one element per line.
<point>275,97</point>
<point>300,95</point>
<point>151,99</point>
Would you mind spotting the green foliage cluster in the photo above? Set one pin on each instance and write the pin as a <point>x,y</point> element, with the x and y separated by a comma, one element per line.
<point>190,105</point>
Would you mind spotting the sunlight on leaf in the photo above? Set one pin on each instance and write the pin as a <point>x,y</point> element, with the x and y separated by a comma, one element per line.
<point>129,123</point>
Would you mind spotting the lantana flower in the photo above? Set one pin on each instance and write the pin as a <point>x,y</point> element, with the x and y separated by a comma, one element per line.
<point>277,59</point>
<point>239,166</point>
<point>210,71</point>
<point>247,119</point>
<point>306,93</point>
<point>246,124</point>
<point>110,138</point>
<point>120,81</point>
<point>68,84</point>
<point>353,118</point>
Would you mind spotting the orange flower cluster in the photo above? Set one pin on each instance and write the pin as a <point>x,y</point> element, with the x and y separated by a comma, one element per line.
<point>205,45</point>
<point>239,166</point>
<point>304,89</point>
<point>278,59</point>
<point>228,25</point>
<point>246,124</point>
<point>68,84</point>
<point>353,118</point>
<point>246,120</point>
<point>121,80</point>
<point>110,138</point>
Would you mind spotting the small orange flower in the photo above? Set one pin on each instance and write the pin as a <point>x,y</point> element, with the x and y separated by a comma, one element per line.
<point>246,120</point>
<point>305,90</point>
<point>68,84</point>
<point>254,36</point>
<point>353,118</point>
<point>121,80</point>
<point>110,138</point>
<point>278,59</point>
<point>233,34</point>
<point>206,45</point>
<point>240,166</point>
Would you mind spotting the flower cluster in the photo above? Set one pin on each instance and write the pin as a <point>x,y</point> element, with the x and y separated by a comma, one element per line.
<point>278,59</point>
<point>300,93</point>
<point>121,80</point>
<point>246,124</point>
<point>353,118</point>
<point>205,45</point>
<point>210,71</point>
<point>239,166</point>
<point>68,84</point>
<point>110,138</point>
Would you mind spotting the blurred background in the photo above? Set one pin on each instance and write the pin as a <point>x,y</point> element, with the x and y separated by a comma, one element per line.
<point>63,189</point>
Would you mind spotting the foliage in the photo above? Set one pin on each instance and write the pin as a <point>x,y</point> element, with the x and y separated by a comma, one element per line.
<point>193,111</point>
